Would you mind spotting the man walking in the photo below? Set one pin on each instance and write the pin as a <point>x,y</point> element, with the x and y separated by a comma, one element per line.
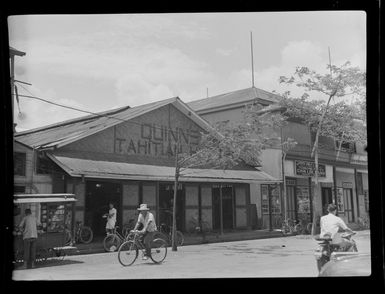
<point>29,226</point>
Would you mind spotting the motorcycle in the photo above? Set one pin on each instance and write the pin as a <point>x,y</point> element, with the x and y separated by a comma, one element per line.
<point>325,248</point>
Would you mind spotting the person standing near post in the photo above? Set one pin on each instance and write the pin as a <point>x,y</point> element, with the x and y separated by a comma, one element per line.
<point>111,219</point>
<point>147,219</point>
<point>29,225</point>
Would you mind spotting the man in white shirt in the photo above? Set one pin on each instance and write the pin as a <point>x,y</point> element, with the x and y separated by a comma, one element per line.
<point>147,219</point>
<point>111,219</point>
<point>330,225</point>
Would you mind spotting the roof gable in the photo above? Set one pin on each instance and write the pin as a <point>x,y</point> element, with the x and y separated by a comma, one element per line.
<point>234,98</point>
<point>61,134</point>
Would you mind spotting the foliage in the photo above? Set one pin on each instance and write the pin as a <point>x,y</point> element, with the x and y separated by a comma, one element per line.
<point>229,144</point>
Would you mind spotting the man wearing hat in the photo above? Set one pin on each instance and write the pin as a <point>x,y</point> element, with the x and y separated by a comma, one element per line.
<point>147,219</point>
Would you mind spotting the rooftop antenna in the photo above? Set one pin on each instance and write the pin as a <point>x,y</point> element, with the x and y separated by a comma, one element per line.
<point>252,59</point>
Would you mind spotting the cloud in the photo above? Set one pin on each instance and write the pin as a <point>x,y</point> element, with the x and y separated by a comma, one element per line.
<point>295,53</point>
<point>224,52</point>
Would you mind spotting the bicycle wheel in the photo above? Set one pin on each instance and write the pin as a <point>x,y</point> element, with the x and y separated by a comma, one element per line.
<point>158,250</point>
<point>206,228</point>
<point>309,227</point>
<point>298,229</point>
<point>68,237</point>
<point>41,255</point>
<point>179,238</point>
<point>160,235</point>
<point>128,253</point>
<point>86,235</point>
<point>111,243</point>
<point>285,229</point>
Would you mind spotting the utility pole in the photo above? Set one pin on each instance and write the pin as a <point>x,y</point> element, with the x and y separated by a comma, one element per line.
<point>252,59</point>
<point>176,183</point>
<point>12,53</point>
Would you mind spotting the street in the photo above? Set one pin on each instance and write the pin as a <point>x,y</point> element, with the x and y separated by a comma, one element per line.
<point>274,257</point>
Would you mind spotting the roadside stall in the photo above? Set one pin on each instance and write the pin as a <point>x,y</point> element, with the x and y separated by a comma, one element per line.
<point>55,213</point>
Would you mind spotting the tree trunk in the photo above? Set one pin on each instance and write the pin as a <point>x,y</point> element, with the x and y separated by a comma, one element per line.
<point>173,241</point>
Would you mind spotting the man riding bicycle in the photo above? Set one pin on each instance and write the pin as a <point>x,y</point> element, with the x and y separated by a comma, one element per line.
<point>147,219</point>
<point>330,225</point>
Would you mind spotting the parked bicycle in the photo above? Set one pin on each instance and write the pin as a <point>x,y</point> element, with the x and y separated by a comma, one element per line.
<point>290,226</point>
<point>199,227</point>
<point>129,250</point>
<point>83,234</point>
<point>113,240</point>
<point>128,227</point>
<point>363,223</point>
<point>166,233</point>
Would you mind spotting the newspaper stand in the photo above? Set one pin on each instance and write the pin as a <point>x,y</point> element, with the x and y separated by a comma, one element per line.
<point>55,213</point>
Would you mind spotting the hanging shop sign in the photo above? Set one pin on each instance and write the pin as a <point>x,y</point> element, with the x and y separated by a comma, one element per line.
<point>307,168</point>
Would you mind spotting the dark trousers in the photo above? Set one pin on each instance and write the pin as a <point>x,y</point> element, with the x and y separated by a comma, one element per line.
<point>147,237</point>
<point>29,251</point>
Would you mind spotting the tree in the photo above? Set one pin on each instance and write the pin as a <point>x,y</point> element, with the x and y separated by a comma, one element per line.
<point>227,144</point>
<point>324,120</point>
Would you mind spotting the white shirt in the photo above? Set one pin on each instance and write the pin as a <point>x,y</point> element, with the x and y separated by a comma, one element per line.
<point>111,220</point>
<point>146,221</point>
<point>112,212</point>
<point>330,225</point>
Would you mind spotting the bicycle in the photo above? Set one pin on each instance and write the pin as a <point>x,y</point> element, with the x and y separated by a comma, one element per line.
<point>363,223</point>
<point>113,240</point>
<point>166,234</point>
<point>290,226</point>
<point>129,250</point>
<point>195,227</point>
<point>128,227</point>
<point>83,234</point>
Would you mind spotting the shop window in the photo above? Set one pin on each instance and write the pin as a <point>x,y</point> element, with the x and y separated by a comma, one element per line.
<point>349,147</point>
<point>265,199</point>
<point>275,199</point>
<point>303,199</point>
<point>340,201</point>
<point>20,160</point>
<point>43,164</point>
<point>54,217</point>
<point>18,189</point>
<point>366,199</point>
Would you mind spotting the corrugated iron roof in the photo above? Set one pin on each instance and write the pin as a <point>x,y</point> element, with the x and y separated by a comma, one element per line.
<point>122,170</point>
<point>236,97</point>
<point>13,51</point>
<point>63,133</point>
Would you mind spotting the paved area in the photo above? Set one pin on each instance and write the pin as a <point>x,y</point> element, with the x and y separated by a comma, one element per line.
<point>273,257</point>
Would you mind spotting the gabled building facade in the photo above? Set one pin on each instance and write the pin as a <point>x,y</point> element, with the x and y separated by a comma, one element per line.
<point>127,156</point>
<point>343,179</point>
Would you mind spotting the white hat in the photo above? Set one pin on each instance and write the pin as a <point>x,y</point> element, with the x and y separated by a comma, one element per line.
<point>143,207</point>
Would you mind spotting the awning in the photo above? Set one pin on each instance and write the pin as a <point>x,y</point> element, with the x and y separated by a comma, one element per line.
<point>128,171</point>
<point>42,198</point>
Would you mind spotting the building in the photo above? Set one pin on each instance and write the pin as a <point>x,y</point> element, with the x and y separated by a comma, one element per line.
<point>343,180</point>
<point>127,156</point>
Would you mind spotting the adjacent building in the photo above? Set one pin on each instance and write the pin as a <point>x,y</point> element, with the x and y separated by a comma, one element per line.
<point>343,178</point>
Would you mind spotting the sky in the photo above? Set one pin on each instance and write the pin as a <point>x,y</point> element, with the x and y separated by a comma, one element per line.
<point>101,62</point>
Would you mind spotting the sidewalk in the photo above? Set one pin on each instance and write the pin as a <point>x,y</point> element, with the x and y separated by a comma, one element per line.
<point>189,239</point>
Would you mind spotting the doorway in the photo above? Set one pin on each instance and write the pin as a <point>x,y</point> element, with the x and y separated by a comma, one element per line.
<point>227,207</point>
<point>98,196</point>
<point>327,199</point>
<point>166,198</point>
<point>348,200</point>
